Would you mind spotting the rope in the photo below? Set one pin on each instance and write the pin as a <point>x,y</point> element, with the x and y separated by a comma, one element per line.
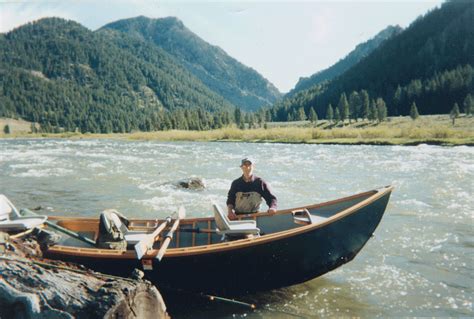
<point>251,306</point>
<point>16,236</point>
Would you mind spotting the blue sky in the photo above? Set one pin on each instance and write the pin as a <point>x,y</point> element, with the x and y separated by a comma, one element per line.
<point>282,40</point>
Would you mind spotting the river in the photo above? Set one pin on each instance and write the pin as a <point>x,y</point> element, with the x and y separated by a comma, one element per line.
<point>419,263</point>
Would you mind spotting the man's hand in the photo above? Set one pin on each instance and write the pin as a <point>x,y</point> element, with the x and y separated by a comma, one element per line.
<point>271,211</point>
<point>231,214</point>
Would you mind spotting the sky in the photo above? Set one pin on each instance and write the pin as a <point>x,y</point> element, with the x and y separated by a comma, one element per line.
<point>282,40</point>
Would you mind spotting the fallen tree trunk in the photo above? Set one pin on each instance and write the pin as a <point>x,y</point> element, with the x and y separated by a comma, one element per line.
<point>31,287</point>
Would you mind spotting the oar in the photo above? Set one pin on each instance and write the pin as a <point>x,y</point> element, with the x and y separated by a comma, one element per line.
<point>169,235</point>
<point>59,228</point>
<point>147,242</point>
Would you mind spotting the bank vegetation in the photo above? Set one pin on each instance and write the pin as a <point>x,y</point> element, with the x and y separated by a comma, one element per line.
<point>430,129</point>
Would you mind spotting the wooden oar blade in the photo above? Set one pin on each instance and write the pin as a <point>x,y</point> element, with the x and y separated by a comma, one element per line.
<point>140,250</point>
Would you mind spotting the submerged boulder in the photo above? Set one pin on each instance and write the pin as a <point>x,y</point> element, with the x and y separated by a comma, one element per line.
<point>32,287</point>
<point>194,183</point>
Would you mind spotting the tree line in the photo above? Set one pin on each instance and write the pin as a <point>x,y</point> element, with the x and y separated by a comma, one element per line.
<point>429,63</point>
<point>434,95</point>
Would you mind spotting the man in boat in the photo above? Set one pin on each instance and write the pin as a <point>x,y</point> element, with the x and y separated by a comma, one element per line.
<point>246,192</point>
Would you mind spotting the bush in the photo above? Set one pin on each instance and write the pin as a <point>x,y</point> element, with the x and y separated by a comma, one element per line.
<point>317,134</point>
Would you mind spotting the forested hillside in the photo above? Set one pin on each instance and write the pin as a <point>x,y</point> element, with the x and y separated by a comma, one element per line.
<point>155,74</point>
<point>361,51</point>
<point>237,83</point>
<point>429,64</point>
<point>64,76</point>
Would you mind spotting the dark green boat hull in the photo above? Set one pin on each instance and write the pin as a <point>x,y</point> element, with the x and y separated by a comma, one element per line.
<point>264,266</point>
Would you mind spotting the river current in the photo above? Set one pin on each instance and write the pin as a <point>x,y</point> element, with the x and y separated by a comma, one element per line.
<point>419,263</point>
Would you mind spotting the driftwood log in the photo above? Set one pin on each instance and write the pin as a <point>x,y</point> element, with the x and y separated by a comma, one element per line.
<point>32,287</point>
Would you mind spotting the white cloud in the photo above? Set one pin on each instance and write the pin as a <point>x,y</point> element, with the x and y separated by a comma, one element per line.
<point>16,14</point>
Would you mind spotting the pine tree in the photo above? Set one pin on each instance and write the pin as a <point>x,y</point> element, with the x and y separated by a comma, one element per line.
<point>337,115</point>
<point>373,111</point>
<point>454,112</point>
<point>397,99</point>
<point>364,95</point>
<point>301,114</point>
<point>268,115</point>
<point>354,105</point>
<point>250,120</point>
<point>343,107</point>
<point>261,118</point>
<point>313,116</point>
<point>468,105</point>
<point>238,116</point>
<point>414,111</point>
<point>381,110</point>
<point>330,113</point>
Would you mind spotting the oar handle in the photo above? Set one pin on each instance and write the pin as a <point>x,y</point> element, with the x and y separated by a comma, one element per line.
<point>59,228</point>
<point>157,231</point>
<point>167,240</point>
<point>143,245</point>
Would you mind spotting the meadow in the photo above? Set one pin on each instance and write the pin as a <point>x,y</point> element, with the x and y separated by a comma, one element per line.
<point>429,129</point>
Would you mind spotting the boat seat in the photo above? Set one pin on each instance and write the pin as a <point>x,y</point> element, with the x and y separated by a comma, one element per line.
<point>233,227</point>
<point>11,220</point>
<point>131,236</point>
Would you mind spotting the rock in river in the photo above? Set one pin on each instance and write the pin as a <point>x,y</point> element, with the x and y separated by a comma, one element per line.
<point>194,183</point>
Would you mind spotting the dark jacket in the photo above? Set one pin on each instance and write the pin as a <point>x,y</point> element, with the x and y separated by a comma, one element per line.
<point>256,188</point>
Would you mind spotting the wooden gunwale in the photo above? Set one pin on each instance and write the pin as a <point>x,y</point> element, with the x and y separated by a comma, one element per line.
<point>225,246</point>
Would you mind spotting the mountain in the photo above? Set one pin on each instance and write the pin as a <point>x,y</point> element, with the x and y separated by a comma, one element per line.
<point>361,51</point>
<point>237,83</point>
<point>61,74</point>
<point>430,63</point>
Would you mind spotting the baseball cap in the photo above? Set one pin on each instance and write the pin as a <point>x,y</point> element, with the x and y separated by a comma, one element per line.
<point>247,159</point>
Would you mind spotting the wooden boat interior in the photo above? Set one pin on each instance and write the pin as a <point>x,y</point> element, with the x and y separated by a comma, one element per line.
<point>194,232</point>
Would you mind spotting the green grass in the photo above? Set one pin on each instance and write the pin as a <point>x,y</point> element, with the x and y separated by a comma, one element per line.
<point>431,129</point>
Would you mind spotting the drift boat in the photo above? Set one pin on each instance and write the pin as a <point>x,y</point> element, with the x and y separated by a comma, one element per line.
<point>289,247</point>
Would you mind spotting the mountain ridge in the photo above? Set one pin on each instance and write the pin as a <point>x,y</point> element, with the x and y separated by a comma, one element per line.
<point>239,84</point>
<point>83,79</point>
<point>361,51</point>
<point>430,64</point>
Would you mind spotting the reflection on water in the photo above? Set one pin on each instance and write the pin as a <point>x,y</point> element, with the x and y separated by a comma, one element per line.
<point>420,262</point>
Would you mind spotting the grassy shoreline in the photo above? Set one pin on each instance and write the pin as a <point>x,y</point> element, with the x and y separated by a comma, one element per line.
<point>434,130</point>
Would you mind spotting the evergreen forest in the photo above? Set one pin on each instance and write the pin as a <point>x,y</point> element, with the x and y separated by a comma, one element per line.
<point>430,64</point>
<point>145,74</point>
